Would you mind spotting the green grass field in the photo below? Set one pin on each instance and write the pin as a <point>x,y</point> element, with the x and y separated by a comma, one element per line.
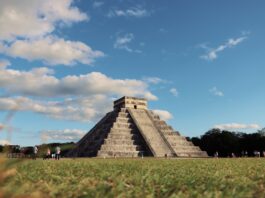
<point>134,178</point>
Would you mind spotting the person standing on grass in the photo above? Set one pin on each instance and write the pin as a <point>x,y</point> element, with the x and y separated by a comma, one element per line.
<point>58,152</point>
<point>48,154</point>
<point>216,154</point>
<point>35,152</point>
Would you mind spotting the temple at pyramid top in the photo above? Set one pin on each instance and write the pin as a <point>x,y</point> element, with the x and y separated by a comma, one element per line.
<point>130,102</point>
<point>132,130</point>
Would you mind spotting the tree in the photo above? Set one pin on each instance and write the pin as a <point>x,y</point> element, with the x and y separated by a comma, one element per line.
<point>227,142</point>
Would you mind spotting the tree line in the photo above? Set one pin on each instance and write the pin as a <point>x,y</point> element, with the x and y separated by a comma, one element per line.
<point>227,143</point>
<point>42,149</point>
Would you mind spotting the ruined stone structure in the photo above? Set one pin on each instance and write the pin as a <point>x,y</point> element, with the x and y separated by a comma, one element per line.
<point>131,130</point>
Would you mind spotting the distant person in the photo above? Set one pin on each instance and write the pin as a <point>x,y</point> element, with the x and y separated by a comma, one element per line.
<point>216,154</point>
<point>246,154</point>
<point>35,152</point>
<point>57,152</point>
<point>48,154</point>
<point>256,153</point>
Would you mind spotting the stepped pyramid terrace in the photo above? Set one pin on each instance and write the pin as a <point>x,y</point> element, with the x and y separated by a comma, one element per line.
<point>131,130</point>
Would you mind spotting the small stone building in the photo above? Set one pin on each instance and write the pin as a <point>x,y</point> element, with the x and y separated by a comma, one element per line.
<point>131,130</point>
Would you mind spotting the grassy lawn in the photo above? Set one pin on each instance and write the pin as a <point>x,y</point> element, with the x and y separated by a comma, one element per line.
<point>134,178</point>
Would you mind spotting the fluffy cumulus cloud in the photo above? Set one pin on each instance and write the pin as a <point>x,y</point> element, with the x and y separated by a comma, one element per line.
<point>216,92</point>
<point>212,53</point>
<point>130,12</point>
<point>62,135</point>
<point>42,82</point>
<point>53,51</point>
<point>27,31</point>
<point>164,115</point>
<point>237,126</point>
<point>81,97</point>
<point>35,18</point>
<point>87,109</point>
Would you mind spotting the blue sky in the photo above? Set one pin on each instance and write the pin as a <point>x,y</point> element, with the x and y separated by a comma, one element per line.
<point>199,63</point>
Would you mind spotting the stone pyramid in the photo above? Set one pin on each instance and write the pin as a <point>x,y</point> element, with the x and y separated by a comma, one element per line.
<point>131,130</point>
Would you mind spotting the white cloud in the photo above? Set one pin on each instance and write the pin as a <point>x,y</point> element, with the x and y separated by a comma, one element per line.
<point>122,42</point>
<point>97,4</point>
<point>74,97</point>
<point>154,80</point>
<point>84,109</point>
<point>164,115</point>
<point>27,31</point>
<point>212,54</point>
<point>235,126</point>
<point>62,135</point>
<point>216,92</point>
<point>53,51</point>
<point>34,18</point>
<point>174,92</point>
<point>131,12</point>
<point>4,64</point>
<point>4,142</point>
<point>42,82</point>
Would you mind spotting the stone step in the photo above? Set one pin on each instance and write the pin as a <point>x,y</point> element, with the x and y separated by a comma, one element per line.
<point>123,110</point>
<point>123,120</point>
<point>160,122</point>
<point>107,147</point>
<point>123,136</point>
<point>180,143</point>
<point>123,125</point>
<point>119,154</point>
<point>188,148</point>
<point>123,115</point>
<point>175,137</point>
<point>168,132</point>
<point>166,127</point>
<point>154,116</point>
<point>111,141</point>
<point>193,154</point>
<point>124,131</point>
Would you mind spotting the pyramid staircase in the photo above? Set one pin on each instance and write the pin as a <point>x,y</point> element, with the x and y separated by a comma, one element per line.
<point>181,146</point>
<point>129,131</point>
<point>115,136</point>
<point>124,139</point>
